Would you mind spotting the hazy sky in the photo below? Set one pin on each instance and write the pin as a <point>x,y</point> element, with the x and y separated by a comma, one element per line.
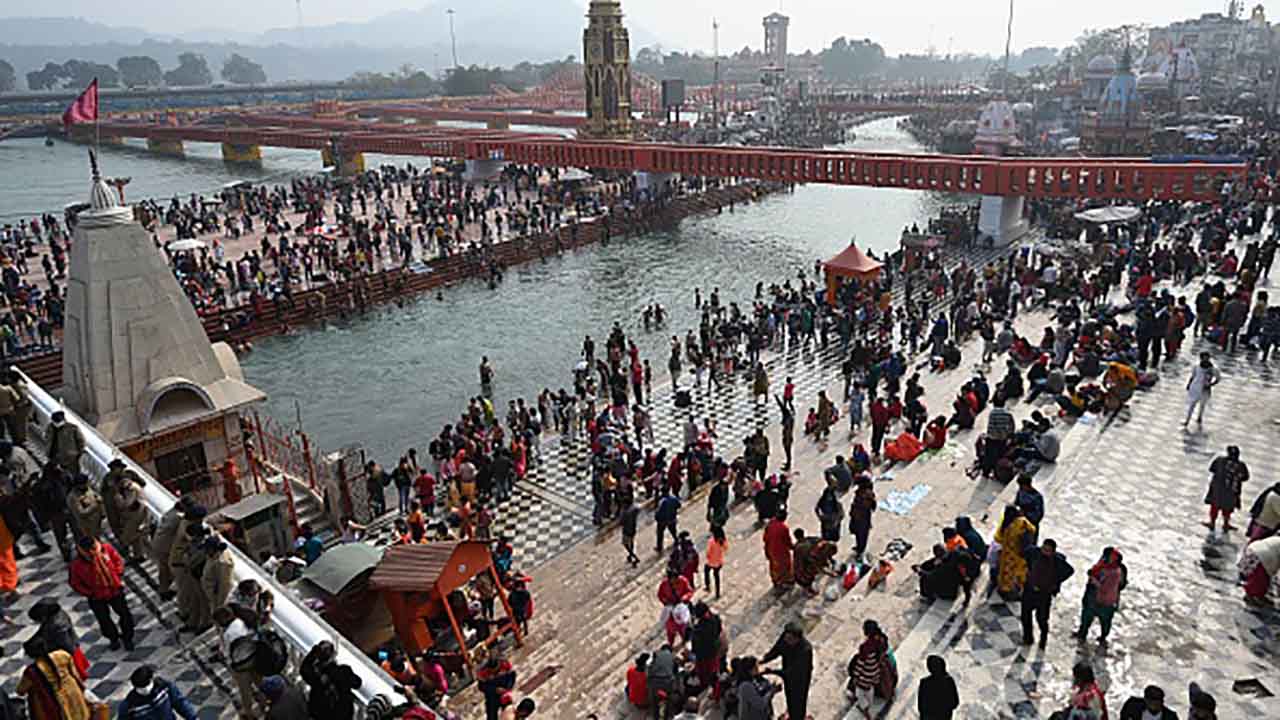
<point>906,26</point>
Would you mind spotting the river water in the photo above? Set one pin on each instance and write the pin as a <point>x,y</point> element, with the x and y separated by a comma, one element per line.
<point>391,379</point>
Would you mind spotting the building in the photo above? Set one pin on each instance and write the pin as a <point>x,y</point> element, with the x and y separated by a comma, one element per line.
<point>1229,51</point>
<point>775,39</point>
<point>1096,76</point>
<point>1119,126</point>
<point>137,363</point>
<point>606,50</point>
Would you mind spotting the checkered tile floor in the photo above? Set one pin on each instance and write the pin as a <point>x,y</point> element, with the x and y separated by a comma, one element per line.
<point>183,661</point>
<point>1137,483</point>
<point>553,506</point>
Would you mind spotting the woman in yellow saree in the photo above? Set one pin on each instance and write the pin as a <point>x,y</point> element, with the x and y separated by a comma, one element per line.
<point>1015,532</point>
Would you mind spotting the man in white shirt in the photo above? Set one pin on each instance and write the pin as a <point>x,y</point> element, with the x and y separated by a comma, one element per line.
<point>233,628</point>
<point>1200,388</point>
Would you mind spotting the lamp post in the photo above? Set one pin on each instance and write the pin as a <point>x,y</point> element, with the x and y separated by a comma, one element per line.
<point>453,39</point>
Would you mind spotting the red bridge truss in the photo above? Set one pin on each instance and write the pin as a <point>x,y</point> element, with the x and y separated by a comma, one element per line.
<point>1039,177</point>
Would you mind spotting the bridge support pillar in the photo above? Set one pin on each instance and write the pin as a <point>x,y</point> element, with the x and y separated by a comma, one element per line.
<point>653,182</point>
<point>161,146</point>
<point>483,170</point>
<point>346,164</point>
<point>1000,218</point>
<point>498,124</point>
<point>234,153</point>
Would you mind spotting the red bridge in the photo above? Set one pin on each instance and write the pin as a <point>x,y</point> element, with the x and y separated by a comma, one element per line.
<point>1041,177</point>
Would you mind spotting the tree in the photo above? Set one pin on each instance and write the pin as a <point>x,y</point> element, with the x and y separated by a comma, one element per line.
<point>192,70</point>
<point>851,60</point>
<point>243,71</point>
<point>79,73</point>
<point>139,71</point>
<point>8,78</point>
<point>45,78</point>
<point>474,80</point>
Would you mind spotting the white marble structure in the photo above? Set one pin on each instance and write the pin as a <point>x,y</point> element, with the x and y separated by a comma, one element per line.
<point>137,362</point>
<point>999,218</point>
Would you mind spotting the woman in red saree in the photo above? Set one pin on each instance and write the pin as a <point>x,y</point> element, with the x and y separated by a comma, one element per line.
<point>778,548</point>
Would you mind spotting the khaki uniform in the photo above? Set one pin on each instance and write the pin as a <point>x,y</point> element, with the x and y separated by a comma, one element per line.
<point>85,505</point>
<point>177,558</point>
<point>164,538</point>
<point>110,492</point>
<point>21,465</point>
<point>133,517</point>
<point>65,447</point>
<point>216,580</point>
<point>21,416</point>
<point>9,400</point>
<point>191,597</point>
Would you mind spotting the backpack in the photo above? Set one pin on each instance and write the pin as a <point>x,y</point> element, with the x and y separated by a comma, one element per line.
<point>263,653</point>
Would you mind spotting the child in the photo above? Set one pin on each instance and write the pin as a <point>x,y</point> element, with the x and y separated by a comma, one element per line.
<point>811,422</point>
<point>716,548</point>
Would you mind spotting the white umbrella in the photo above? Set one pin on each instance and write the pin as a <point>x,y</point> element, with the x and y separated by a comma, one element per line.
<point>188,244</point>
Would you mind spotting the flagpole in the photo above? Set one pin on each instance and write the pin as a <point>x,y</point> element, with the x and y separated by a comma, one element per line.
<point>97,112</point>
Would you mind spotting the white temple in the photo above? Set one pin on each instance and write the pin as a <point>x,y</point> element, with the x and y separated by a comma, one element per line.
<point>137,362</point>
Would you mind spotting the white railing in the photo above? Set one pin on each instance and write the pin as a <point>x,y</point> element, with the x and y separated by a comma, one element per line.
<point>297,624</point>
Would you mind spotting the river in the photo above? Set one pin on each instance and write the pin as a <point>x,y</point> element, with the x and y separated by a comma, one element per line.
<point>391,379</point>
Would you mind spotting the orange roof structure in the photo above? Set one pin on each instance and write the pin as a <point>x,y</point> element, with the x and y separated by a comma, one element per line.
<point>850,264</point>
<point>852,261</point>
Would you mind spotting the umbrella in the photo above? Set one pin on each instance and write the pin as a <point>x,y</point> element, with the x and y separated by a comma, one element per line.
<point>188,244</point>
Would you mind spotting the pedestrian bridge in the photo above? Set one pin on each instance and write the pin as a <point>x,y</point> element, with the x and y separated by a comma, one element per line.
<point>345,141</point>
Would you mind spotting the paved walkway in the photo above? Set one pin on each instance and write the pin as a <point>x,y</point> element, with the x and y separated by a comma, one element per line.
<point>1135,481</point>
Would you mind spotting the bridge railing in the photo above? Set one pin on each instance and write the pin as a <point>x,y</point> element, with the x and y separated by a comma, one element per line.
<point>299,626</point>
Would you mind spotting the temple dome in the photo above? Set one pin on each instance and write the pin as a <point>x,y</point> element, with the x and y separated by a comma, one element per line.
<point>1102,64</point>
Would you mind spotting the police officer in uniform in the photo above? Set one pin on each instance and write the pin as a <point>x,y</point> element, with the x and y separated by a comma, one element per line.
<point>17,422</point>
<point>66,443</point>
<point>9,400</point>
<point>166,535</point>
<point>216,578</point>
<point>191,598</point>
<point>190,527</point>
<point>86,508</point>
<point>133,517</point>
<point>109,489</point>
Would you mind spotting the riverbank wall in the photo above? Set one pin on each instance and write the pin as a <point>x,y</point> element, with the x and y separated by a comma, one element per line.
<point>248,322</point>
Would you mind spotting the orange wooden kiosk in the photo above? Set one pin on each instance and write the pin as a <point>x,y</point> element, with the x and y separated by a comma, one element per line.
<point>850,263</point>
<point>416,582</point>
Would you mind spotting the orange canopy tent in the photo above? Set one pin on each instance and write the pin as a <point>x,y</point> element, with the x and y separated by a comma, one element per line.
<point>850,263</point>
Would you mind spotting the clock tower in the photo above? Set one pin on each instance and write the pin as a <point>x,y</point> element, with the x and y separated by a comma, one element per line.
<point>606,52</point>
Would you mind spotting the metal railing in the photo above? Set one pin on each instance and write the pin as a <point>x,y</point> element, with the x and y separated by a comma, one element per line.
<point>298,625</point>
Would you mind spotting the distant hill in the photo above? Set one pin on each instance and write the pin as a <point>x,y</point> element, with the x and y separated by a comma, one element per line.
<point>489,32</point>
<point>68,31</point>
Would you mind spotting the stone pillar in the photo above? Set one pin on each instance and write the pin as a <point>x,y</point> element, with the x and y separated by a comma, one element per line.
<point>483,170</point>
<point>1000,218</point>
<point>234,153</point>
<point>161,146</point>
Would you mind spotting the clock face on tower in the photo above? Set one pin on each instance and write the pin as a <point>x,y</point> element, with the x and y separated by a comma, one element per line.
<point>596,51</point>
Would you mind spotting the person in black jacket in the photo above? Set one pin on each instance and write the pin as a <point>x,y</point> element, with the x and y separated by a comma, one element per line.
<point>938,697</point>
<point>55,625</point>
<point>797,668</point>
<point>331,683</point>
<point>1150,705</point>
<point>1047,569</point>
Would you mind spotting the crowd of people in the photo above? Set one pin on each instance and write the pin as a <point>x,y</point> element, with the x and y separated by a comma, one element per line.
<point>1118,313</point>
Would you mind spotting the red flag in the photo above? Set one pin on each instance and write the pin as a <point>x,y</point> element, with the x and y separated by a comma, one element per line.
<point>85,108</point>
